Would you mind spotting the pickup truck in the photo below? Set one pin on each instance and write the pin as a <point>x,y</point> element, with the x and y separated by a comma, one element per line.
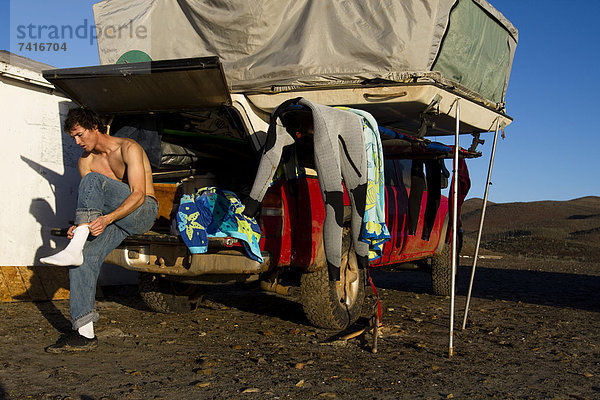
<point>203,119</point>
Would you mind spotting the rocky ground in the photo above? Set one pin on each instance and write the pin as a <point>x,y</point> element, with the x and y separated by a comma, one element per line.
<point>534,333</point>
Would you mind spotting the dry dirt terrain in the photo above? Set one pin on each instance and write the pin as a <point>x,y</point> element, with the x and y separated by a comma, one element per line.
<point>567,230</point>
<point>534,333</point>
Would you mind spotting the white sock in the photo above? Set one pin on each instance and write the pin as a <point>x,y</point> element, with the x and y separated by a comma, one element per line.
<point>73,253</point>
<point>87,330</point>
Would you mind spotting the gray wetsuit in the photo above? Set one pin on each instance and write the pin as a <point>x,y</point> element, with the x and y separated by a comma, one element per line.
<point>339,152</point>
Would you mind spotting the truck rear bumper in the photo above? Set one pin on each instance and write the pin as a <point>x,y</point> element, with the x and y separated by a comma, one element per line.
<point>165,254</point>
<point>176,261</point>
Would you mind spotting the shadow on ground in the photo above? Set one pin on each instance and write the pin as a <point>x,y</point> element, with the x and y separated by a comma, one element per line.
<point>555,289</point>
<point>241,297</point>
<point>125,295</point>
<point>533,287</point>
<point>250,299</point>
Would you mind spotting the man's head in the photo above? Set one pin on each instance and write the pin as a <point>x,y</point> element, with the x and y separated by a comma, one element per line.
<point>84,126</point>
<point>85,118</point>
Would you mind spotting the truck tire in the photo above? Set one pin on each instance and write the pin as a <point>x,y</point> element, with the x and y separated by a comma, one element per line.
<point>441,272</point>
<point>164,296</point>
<point>441,268</point>
<point>334,305</point>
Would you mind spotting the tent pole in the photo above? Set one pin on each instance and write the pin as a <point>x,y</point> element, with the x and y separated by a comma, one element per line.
<point>485,198</point>
<point>454,228</point>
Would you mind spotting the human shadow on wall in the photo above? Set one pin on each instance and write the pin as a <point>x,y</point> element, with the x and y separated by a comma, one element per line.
<point>48,282</point>
<point>45,282</point>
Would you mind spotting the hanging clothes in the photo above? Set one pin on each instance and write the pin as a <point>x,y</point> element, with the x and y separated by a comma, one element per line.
<point>374,231</point>
<point>435,169</point>
<point>278,139</point>
<point>464,185</point>
<point>339,152</point>
<point>417,187</point>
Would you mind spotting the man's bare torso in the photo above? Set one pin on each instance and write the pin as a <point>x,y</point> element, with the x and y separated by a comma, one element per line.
<point>112,164</point>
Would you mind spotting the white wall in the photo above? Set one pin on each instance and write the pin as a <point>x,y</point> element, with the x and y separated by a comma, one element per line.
<point>38,172</point>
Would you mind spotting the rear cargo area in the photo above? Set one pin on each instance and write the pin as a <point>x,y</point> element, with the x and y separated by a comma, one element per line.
<point>189,151</point>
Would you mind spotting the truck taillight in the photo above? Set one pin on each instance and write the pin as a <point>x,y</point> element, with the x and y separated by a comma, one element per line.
<point>272,216</point>
<point>272,206</point>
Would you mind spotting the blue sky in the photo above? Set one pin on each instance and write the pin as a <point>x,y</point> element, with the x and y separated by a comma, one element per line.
<point>549,152</point>
<point>81,48</point>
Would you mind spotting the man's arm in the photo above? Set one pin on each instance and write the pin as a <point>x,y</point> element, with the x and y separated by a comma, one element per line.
<point>132,154</point>
<point>84,164</point>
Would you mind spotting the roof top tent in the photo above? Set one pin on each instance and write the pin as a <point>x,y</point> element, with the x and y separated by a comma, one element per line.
<point>405,62</point>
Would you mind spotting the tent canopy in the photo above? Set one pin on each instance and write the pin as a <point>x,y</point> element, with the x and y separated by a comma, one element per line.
<point>280,45</point>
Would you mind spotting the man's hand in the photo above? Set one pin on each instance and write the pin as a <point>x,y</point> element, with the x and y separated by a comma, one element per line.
<point>98,225</point>
<point>70,231</point>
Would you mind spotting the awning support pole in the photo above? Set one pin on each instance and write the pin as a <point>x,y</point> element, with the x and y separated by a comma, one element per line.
<point>485,198</point>
<point>454,228</point>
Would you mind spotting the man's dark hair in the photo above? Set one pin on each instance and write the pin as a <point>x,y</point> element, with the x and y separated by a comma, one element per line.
<point>87,119</point>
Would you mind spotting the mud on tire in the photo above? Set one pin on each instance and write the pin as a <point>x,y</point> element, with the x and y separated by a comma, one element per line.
<point>164,296</point>
<point>334,305</point>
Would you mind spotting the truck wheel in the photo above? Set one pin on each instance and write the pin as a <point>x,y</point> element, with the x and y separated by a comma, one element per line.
<point>162,295</point>
<point>441,268</point>
<point>441,272</point>
<point>334,305</point>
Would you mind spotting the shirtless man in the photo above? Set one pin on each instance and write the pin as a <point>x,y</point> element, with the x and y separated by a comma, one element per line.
<point>115,200</point>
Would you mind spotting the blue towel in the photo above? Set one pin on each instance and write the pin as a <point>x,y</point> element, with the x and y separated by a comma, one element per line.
<point>192,223</point>
<point>224,218</point>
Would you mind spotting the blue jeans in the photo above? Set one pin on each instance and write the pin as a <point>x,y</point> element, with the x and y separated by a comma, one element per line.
<point>100,195</point>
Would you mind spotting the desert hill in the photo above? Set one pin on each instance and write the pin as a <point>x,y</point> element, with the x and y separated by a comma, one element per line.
<point>556,229</point>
